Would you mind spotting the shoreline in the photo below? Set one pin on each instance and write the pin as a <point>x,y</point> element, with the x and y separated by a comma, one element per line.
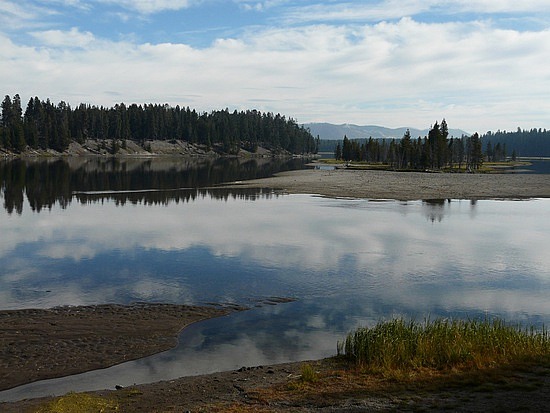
<point>150,148</point>
<point>336,387</point>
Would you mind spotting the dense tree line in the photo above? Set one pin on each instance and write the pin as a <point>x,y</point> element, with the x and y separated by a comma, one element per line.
<point>534,142</point>
<point>433,152</point>
<point>496,146</point>
<point>45,125</point>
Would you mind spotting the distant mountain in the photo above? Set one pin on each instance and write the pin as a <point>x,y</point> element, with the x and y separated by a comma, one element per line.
<point>329,131</point>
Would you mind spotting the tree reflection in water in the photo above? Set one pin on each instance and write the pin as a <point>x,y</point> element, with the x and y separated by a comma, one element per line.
<point>46,182</point>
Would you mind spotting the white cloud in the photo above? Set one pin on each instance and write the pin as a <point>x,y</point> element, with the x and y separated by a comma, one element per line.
<point>497,6</point>
<point>23,15</point>
<point>150,6</point>
<point>78,4</point>
<point>19,15</point>
<point>475,74</point>
<point>352,12</point>
<point>253,5</point>
<point>10,9</point>
<point>60,38</point>
<point>396,9</point>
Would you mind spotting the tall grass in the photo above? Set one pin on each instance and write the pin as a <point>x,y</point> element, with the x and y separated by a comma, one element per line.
<point>441,344</point>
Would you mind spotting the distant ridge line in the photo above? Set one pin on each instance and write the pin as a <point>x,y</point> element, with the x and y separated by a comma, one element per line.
<point>330,131</point>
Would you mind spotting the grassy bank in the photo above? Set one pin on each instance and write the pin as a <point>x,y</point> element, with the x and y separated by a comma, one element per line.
<point>441,365</point>
<point>443,344</point>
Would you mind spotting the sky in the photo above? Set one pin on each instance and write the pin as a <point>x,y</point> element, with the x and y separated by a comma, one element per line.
<point>482,65</point>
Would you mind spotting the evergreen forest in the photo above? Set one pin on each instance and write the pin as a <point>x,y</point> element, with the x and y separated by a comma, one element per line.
<point>527,143</point>
<point>437,151</point>
<point>44,125</point>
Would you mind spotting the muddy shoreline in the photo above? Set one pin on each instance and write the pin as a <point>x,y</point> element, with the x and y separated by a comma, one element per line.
<point>38,344</point>
<point>340,388</point>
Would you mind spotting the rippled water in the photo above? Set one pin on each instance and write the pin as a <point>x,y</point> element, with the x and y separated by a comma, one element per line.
<point>346,262</point>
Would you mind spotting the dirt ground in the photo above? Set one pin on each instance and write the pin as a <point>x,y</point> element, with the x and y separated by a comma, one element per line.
<point>339,388</point>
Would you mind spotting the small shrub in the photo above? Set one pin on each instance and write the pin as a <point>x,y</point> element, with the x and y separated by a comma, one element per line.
<point>309,375</point>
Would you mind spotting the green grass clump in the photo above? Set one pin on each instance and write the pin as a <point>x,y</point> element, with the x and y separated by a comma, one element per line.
<point>80,403</point>
<point>309,375</point>
<point>443,344</point>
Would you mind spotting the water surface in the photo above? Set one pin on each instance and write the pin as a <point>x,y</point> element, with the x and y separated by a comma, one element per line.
<point>347,262</point>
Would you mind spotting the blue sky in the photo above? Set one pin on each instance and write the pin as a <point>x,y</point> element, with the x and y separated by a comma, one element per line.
<point>482,65</point>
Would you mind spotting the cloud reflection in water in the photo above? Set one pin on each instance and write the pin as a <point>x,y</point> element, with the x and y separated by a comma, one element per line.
<point>294,245</point>
<point>348,262</point>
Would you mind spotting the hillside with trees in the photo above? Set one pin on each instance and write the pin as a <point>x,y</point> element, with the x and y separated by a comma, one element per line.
<point>44,125</point>
<point>332,132</point>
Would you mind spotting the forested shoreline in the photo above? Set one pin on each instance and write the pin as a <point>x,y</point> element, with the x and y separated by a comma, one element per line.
<point>45,125</point>
<point>48,126</point>
<point>529,143</point>
<point>437,151</point>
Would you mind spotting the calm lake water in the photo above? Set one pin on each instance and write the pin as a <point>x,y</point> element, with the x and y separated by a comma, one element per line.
<point>104,233</point>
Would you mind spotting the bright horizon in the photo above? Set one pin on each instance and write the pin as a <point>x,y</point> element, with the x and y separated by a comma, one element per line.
<point>480,65</point>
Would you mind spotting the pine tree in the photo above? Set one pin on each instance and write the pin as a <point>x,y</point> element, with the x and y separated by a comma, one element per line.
<point>18,137</point>
<point>12,124</point>
<point>6,122</point>
<point>346,149</point>
<point>338,152</point>
<point>405,154</point>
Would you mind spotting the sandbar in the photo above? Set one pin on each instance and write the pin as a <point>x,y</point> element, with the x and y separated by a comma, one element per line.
<point>373,184</point>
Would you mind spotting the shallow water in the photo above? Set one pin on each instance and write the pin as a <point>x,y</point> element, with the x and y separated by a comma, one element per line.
<point>346,262</point>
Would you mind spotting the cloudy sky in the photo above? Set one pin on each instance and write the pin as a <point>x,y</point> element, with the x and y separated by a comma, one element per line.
<point>482,65</point>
